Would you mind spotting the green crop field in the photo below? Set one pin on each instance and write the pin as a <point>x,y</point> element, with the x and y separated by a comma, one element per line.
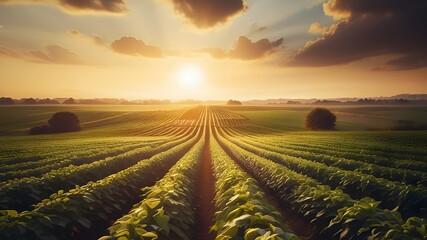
<point>213,172</point>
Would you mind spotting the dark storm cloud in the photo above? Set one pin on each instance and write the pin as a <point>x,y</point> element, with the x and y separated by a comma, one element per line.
<point>370,28</point>
<point>55,54</point>
<point>136,47</point>
<point>113,6</point>
<point>208,13</point>
<point>245,49</point>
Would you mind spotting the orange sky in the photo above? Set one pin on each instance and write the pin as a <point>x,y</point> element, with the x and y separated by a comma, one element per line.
<point>236,49</point>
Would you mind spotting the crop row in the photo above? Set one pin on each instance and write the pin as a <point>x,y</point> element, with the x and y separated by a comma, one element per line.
<point>32,153</point>
<point>243,210</point>
<point>379,147</point>
<point>227,118</point>
<point>350,146</point>
<point>166,211</point>
<point>411,200</point>
<point>162,127</point>
<point>394,174</point>
<point>335,212</point>
<point>47,165</point>
<point>20,194</point>
<point>82,210</point>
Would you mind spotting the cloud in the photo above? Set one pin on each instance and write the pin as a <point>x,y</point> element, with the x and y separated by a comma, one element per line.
<point>111,6</point>
<point>317,28</point>
<point>208,13</point>
<point>74,33</point>
<point>99,40</point>
<point>136,47</point>
<point>215,52</point>
<point>367,28</point>
<point>245,49</point>
<point>51,54</point>
<point>6,52</point>
<point>114,6</point>
<point>55,54</point>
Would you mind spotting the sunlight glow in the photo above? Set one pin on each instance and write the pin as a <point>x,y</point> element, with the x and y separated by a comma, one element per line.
<point>190,76</point>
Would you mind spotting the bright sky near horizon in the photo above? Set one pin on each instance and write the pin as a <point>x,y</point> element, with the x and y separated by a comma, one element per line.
<point>212,49</point>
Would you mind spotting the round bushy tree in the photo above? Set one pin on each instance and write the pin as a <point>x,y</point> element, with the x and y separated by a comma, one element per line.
<point>64,122</point>
<point>320,119</point>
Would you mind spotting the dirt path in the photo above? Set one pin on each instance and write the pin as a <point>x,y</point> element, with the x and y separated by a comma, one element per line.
<point>205,190</point>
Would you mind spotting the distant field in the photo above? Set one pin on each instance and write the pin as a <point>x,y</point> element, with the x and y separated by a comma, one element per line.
<point>17,120</point>
<point>212,172</point>
<point>349,118</point>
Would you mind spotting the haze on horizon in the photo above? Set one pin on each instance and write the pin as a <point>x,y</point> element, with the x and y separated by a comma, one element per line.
<point>212,50</point>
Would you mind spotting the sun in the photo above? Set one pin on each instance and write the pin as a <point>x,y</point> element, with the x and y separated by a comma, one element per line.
<point>190,76</point>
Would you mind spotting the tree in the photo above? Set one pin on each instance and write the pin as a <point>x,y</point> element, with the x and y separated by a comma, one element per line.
<point>48,101</point>
<point>59,123</point>
<point>6,101</point>
<point>29,101</point>
<point>64,122</point>
<point>233,102</point>
<point>320,119</point>
<point>70,101</point>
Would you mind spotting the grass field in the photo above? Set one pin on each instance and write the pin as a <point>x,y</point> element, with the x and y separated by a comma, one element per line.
<point>213,172</point>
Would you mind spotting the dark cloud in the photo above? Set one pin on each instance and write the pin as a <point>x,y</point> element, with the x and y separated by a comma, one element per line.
<point>245,49</point>
<point>112,6</point>
<point>136,47</point>
<point>370,28</point>
<point>56,54</point>
<point>208,13</point>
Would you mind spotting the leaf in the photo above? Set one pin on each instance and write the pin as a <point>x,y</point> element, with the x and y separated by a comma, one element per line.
<point>150,235</point>
<point>251,234</point>
<point>152,203</point>
<point>344,232</point>
<point>11,213</point>
<point>240,221</point>
<point>162,220</point>
<point>230,232</point>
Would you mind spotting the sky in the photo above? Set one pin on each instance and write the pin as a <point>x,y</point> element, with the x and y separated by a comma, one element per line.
<point>212,49</point>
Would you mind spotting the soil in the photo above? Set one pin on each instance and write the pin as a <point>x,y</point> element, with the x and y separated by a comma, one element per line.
<point>205,193</point>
